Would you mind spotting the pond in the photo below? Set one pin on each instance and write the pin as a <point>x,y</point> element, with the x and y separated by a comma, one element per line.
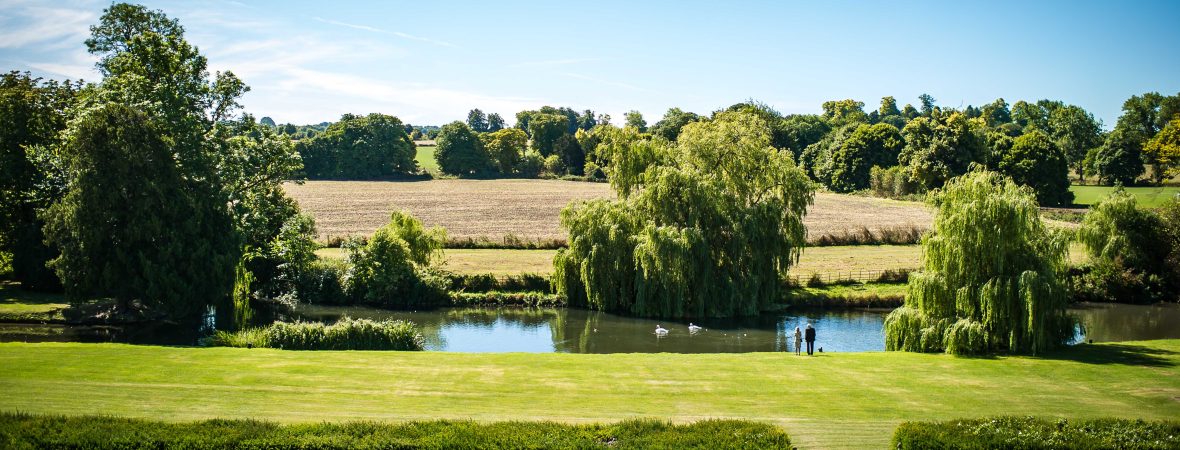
<point>581,331</point>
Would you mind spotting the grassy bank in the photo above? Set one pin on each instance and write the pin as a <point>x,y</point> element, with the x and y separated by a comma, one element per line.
<point>831,400</point>
<point>1150,196</point>
<point>860,295</point>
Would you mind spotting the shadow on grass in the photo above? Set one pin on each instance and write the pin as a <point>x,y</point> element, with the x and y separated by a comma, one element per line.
<point>1125,354</point>
<point>11,292</point>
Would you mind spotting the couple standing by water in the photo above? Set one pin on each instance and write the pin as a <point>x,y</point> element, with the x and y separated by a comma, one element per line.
<point>809,336</point>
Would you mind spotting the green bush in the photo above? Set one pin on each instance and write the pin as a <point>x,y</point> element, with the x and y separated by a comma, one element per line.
<point>347,334</point>
<point>489,282</point>
<point>323,283</point>
<point>893,182</point>
<point>1034,433</point>
<point>24,432</point>
<point>529,299</point>
<point>392,268</point>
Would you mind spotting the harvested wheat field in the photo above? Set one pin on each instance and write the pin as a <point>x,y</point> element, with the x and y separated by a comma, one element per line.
<point>529,209</point>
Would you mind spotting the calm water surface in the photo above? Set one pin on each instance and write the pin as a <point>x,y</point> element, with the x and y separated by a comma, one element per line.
<point>581,331</point>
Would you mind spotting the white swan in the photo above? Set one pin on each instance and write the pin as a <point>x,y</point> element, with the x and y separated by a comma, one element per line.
<point>661,330</point>
<point>693,328</point>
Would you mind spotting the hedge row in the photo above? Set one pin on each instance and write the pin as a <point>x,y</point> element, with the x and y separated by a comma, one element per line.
<point>1034,433</point>
<point>527,299</point>
<point>20,431</point>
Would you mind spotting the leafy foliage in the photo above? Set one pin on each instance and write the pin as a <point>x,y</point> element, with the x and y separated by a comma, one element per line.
<point>1130,252</point>
<point>867,147</point>
<point>25,432</point>
<point>460,151</point>
<point>32,114</point>
<point>506,149</point>
<point>131,226</point>
<point>1031,432</point>
<point>359,147</point>
<point>390,268</point>
<point>939,148</point>
<point>1034,160</point>
<point>345,334</point>
<point>992,275</point>
<point>704,228</point>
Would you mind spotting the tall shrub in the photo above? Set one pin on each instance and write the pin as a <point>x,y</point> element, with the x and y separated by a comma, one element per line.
<point>389,269</point>
<point>704,228</point>
<point>1130,251</point>
<point>992,277</point>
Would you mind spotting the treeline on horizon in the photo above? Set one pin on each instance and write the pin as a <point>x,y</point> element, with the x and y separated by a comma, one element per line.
<point>894,151</point>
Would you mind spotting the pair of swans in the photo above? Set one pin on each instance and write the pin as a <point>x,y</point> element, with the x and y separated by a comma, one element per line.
<point>661,331</point>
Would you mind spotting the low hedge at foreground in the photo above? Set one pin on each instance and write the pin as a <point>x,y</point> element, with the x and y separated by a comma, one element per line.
<point>1033,433</point>
<point>345,334</point>
<point>21,431</point>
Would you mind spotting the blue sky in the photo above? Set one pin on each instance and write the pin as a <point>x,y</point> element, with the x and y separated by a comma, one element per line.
<point>430,62</point>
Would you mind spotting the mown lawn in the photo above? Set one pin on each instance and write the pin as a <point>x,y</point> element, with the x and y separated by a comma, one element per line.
<point>1151,196</point>
<point>831,400</point>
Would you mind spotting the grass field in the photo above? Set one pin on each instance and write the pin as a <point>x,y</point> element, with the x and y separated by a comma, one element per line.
<point>851,400</point>
<point>1151,196</point>
<point>425,158</point>
<point>832,260</point>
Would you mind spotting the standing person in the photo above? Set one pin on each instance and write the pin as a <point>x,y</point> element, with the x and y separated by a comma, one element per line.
<point>798,341</point>
<point>810,339</point>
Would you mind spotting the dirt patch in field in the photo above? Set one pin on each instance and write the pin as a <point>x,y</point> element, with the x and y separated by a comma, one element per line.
<point>530,209</point>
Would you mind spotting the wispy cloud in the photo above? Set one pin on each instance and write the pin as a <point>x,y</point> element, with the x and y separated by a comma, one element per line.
<point>382,31</point>
<point>555,62</point>
<point>602,81</point>
<point>23,25</point>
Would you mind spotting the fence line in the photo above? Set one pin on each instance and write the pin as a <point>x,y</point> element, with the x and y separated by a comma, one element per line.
<point>850,276</point>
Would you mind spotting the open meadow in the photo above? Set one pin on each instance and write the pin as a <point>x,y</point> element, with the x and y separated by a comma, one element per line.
<point>1150,196</point>
<point>530,209</point>
<point>832,400</point>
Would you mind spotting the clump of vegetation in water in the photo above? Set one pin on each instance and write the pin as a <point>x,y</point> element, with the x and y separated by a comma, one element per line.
<point>704,227</point>
<point>992,278</point>
<point>347,334</point>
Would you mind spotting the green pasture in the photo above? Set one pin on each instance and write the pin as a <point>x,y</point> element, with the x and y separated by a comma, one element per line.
<point>425,158</point>
<point>1150,196</point>
<point>852,400</point>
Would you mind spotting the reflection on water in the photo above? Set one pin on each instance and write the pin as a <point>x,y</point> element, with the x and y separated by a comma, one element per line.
<point>581,331</point>
<point>1105,322</point>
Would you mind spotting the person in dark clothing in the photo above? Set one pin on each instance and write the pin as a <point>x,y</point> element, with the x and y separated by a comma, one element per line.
<point>809,335</point>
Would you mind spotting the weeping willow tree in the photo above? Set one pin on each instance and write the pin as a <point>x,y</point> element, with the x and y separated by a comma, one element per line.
<point>703,227</point>
<point>992,278</point>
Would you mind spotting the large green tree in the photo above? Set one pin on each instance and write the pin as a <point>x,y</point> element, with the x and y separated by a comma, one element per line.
<point>674,120</point>
<point>1131,251</point>
<point>460,151</point>
<point>867,146</point>
<point>717,221</point>
<point>478,121</point>
<point>635,120</point>
<point>940,147</point>
<point>506,148</point>
<point>33,112</point>
<point>359,147</point>
<point>992,277</point>
<point>132,226</point>
<point>1034,160</point>
<point>545,129</point>
<point>1076,132</point>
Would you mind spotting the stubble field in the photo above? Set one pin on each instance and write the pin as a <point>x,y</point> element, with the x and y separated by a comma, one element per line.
<point>530,209</point>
